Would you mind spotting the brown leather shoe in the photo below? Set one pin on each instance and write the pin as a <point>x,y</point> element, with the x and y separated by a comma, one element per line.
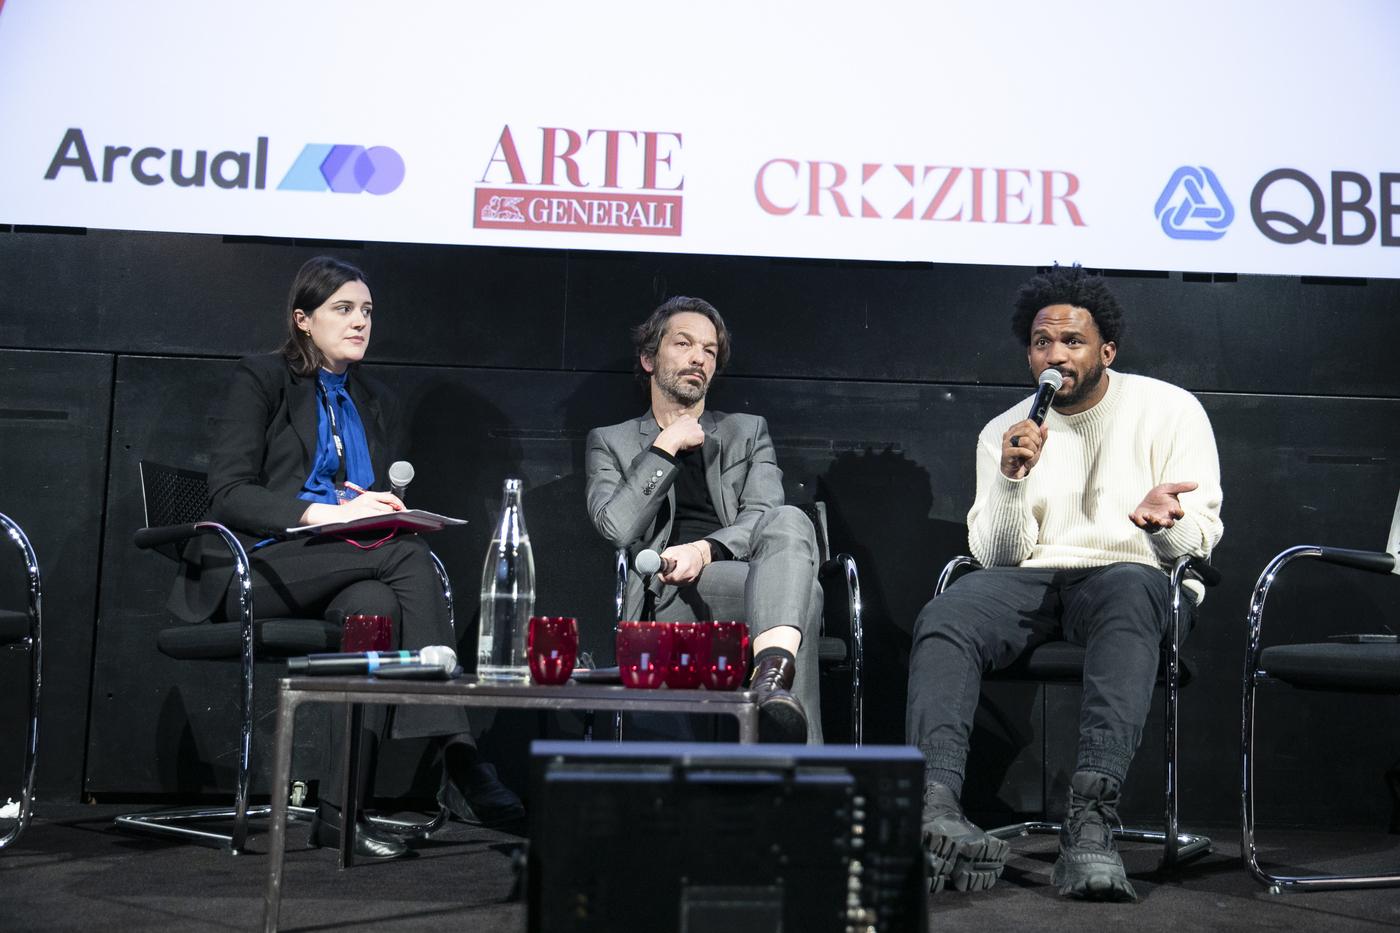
<point>780,715</point>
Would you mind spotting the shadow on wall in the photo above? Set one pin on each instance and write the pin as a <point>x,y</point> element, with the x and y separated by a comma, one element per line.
<point>879,504</point>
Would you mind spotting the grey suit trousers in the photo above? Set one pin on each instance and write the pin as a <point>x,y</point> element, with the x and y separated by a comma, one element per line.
<point>777,585</point>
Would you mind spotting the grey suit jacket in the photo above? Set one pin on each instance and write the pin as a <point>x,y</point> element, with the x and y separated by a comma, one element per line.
<point>631,498</point>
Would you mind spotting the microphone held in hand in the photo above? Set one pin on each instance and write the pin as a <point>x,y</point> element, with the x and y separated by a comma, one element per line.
<point>648,562</point>
<point>1050,382</point>
<point>400,475</point>
<point>370,662</point>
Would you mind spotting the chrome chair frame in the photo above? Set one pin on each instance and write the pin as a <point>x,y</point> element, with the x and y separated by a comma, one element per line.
<point>1177,847</point>
<point>35,643</point>
<point>1255,677</point>
<point>840,566</point>
<point>172,821</point>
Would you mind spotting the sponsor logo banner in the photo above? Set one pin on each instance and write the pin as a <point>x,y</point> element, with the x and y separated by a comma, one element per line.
<point>576,212</point>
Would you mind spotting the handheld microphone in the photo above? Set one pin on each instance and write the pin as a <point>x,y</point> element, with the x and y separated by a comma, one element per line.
<point>1050,382</point>
<point>647,562</point>
<point>400,475</point>
<point>370,662</point>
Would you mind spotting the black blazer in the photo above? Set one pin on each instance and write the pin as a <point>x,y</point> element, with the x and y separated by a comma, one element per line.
<point>264,444</point>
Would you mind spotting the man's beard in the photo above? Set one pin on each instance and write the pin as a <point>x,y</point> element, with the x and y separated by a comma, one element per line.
<point>674,386</point>
<point>1083,388</point>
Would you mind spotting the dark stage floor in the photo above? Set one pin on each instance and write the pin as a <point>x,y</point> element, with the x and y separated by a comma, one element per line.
<point>73,871</point>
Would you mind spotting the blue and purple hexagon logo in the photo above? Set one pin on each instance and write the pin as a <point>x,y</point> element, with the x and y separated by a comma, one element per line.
<point>345,169</point>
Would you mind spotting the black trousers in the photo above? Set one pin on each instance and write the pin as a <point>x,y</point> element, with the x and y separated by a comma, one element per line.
<point>986,619</point>
<point>309,577</point>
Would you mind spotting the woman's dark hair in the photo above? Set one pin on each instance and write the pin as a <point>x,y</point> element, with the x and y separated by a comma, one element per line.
<point>646,336</point>
<point>316,281</point>
<point>1068,286</point>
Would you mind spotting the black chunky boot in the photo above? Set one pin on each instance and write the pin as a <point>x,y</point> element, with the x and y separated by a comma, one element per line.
<point>1089,867</point>
<point>780,716</point>
<point>960,854</point>
<point>370,844</point>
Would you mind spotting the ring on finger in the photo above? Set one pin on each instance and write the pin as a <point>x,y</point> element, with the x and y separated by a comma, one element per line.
<point>1015,440</point>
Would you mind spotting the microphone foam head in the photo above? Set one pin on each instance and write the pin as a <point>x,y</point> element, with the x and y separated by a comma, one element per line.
<point>647,561</point>
<point>1051,377</point>
<point>438,656</point>
<point>400,473</point>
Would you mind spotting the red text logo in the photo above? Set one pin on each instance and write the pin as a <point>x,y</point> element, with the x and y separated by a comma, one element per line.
<point>589,181</point>
<point>905,191</point>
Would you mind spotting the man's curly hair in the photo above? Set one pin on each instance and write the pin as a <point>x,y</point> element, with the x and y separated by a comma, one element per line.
<point>1068,286</point>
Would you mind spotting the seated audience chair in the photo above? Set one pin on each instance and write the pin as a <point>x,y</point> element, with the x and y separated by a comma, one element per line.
<point>176,502</point>
<point>1059,662</point>
<point>25,630</point>
<point>1350,665</point>
<point>842,645</point>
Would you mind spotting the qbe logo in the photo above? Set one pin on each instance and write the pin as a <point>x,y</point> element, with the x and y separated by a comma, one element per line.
<point>1193,205</point>
<point>333,167</point>
<point>345,170</point>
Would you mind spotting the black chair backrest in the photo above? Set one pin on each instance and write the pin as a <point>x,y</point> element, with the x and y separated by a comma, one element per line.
<point>172,495</point>
<point>816,511</point>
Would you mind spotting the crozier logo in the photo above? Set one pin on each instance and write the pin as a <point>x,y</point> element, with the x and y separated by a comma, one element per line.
<point>345,170</point>
<point>594,181</point>
<point>1193,205</point>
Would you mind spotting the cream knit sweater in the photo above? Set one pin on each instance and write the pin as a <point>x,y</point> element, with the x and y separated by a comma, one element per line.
<point>1095,468</point>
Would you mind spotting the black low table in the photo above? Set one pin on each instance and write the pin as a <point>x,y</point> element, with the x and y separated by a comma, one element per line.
<point>466,691</point>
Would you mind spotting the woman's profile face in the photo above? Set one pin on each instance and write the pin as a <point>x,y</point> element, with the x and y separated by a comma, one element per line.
<point>340,327</point>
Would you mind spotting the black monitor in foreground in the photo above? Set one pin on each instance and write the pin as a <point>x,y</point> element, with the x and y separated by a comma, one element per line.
<point>659,837</point>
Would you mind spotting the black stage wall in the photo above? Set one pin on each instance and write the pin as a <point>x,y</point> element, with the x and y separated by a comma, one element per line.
<point>874,377</point>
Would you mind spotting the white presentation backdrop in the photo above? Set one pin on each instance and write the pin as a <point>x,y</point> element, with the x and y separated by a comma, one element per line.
<point>1205,136</point>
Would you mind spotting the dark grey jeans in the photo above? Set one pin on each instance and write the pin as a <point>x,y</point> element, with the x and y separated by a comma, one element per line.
<point>986,619</point>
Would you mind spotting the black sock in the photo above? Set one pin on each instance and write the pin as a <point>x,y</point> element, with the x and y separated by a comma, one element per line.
<point>774,652</point>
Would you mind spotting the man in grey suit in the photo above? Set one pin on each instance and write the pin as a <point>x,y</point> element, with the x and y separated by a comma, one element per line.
<point>703,489</point>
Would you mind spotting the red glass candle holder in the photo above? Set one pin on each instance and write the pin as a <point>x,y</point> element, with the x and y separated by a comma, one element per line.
<point>644,652</point>
<point>367,633</point>
<point>551,645</point>
<point>690,654</point>
<point>729,655</point>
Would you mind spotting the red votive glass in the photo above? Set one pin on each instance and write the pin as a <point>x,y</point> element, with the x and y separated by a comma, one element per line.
<point>551,646</point>
<point>644,652</point>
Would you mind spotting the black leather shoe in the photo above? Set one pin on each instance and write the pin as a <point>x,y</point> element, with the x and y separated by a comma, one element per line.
<point>780,715</point>
<point>474,794</point>
<point>370,843</point>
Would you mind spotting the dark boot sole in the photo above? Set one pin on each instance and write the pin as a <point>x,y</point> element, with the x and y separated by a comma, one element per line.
<point>1097,882</point>
<point>942,854</point>
<point>781,719</point>
<point>979,863</point>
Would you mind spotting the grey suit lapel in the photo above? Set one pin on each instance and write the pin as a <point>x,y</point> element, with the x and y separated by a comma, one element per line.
<point>713,451</point>
<point>647,432</point>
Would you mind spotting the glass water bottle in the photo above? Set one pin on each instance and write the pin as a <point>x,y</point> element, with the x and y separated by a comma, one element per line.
<point>507,595</point>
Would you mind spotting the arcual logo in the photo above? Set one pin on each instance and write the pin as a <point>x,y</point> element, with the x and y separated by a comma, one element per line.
<point>320,167</point>
<point>345,170</point>
<point>1193,206</point>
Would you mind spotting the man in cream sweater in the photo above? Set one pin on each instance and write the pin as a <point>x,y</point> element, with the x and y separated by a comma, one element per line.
<point>1076,522</point>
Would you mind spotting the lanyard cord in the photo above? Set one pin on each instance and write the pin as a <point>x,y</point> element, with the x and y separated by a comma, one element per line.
<point>340,474</point>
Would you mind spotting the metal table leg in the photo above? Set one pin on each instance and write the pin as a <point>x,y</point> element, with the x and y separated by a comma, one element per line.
<point>287,703</point>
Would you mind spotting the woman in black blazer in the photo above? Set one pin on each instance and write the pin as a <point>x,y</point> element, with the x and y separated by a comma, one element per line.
<point>304,437</point>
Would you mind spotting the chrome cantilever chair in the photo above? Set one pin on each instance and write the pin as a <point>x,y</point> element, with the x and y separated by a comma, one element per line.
<point>1062,662</point>
<point>176,502</point>
<point>1356,667</point>
<point>842,645</point>
<point>25,630</point>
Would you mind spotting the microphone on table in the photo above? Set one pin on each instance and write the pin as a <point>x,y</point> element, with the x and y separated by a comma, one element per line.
<point>647,562</point>
<point>434,657</point>
<point>400,475</point>
<point>1050,382</point>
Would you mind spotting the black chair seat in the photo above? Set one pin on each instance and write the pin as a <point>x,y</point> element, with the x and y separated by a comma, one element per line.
<point>1060,662</point>
<point>14,626</point>
<point>283,638</point>
<point>831,650</point>
<point>1373,668</point>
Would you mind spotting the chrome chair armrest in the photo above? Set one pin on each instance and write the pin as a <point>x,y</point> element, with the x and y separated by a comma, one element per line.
<point>36,668</point>
<point>953,569</point>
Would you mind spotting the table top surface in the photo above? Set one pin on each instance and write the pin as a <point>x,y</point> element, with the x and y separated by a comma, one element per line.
<point>468,686</point>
